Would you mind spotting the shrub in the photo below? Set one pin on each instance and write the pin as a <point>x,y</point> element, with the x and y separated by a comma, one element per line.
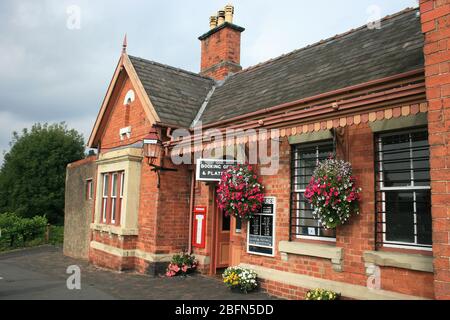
<point>321,294</point>
<point>181,265</point>
<point>56,235</point>
<point>240,278</point>
<point>19,232</point>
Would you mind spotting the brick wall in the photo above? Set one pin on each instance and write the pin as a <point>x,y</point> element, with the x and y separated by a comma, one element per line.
<point>173,212</point>
<point>122,116</point>
<point>221,53</point>
<point>355,237</point>
<point>163,213</point>
<point>435,16</point>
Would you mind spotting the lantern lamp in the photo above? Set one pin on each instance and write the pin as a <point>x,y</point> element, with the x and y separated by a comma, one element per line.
<point>152,146</point>
<point>152,151</point>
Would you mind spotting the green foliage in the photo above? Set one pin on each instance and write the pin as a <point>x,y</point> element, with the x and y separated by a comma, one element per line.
<point>321,294</point>
<point>21,232</point>
<point>32,177</point>
<point>56,236</point>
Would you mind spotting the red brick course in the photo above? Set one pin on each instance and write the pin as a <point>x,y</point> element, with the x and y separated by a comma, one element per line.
<point>435,16</point>
<point>355,238</point>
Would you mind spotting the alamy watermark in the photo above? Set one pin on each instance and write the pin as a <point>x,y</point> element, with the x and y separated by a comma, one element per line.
<point>74,280</point>
<point>375,15</point>
<point>251,146</point>
<point>73,17</point>
<point>374,280</point>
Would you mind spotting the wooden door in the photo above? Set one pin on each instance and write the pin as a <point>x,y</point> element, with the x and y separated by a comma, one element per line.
<point>235,242</point>
<point>223,241</point>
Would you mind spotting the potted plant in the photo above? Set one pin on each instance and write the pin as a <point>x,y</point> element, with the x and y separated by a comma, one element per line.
<point>332,193</point>
<point>322,294</point>
<point>240,279</point>
<point>181,265</point>
<point>240,193</point>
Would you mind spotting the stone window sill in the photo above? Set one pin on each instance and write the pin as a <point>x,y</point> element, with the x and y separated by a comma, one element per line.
<point>114,230</point>
<point>313,250</point>
<point>415,262</point>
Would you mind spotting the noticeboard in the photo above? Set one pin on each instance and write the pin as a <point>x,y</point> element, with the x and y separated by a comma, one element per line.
<point>261,230</point>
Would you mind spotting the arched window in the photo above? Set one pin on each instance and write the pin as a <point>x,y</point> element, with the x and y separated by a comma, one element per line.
<point>129,98</point>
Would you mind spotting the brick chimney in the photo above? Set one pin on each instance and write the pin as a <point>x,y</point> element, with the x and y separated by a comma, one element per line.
<point>435,16</point>
<point>221,46</point>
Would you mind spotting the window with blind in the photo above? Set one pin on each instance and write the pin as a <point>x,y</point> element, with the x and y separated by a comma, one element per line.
<point>305,158</point>
<point>403,193</point>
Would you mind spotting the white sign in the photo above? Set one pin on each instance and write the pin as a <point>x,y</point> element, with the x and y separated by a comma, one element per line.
<point>212,169</point>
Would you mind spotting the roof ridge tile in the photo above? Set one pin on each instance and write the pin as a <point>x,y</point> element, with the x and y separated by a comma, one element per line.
<point>176,69</point>
<point>323,41</point>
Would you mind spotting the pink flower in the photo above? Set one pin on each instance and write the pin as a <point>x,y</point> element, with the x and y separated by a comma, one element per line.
<point>170,274</point>
<point>174,268</point>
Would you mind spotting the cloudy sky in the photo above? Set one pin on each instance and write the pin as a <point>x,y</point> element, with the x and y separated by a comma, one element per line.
<point>55,67</point>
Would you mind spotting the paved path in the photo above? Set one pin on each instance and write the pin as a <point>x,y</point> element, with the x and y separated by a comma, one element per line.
<point>40,273</point>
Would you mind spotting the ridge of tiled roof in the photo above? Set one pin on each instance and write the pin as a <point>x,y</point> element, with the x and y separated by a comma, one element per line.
<point>324,41</point>
<point>169,67</point>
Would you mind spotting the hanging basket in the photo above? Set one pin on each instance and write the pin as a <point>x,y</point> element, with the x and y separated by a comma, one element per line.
<point>333,194</point>
<point>240,193</point>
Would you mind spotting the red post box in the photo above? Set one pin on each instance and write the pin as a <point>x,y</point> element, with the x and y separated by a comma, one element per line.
<point>199,234</point>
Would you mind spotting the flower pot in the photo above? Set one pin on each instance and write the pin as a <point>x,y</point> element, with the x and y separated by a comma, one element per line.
<point>237,290</point>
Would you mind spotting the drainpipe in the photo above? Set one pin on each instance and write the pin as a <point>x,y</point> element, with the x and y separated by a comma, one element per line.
<point>191,210</point>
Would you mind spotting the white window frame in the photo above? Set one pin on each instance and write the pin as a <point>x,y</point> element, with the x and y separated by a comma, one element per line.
<point>299,192</point>
<point>122,184</point>
<point>90,188</point>
<point>114,191</point>
<point>412,187</point>
<point>105,191</point>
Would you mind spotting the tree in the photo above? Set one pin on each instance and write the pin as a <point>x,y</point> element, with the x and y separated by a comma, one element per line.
<point>32,177</point>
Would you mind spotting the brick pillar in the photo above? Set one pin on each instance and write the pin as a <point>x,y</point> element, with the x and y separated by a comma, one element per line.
<point>435,17</point>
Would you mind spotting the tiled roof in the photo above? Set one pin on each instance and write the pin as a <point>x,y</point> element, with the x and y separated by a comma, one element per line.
<point>353,58</point>
<point>176,94</point>
<point>358,56</point>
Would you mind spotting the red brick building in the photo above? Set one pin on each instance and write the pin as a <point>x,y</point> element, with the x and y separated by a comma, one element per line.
<point>376,97</point>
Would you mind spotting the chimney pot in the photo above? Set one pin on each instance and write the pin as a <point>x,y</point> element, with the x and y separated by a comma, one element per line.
<point>229,12</point>
<point>221,17</point>
<point>213,22</point>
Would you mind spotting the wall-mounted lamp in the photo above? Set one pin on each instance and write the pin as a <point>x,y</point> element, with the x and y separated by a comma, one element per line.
<point>152,151</point>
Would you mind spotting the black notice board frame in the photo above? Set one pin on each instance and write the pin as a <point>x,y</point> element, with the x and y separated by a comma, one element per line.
<point>262,249</point>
